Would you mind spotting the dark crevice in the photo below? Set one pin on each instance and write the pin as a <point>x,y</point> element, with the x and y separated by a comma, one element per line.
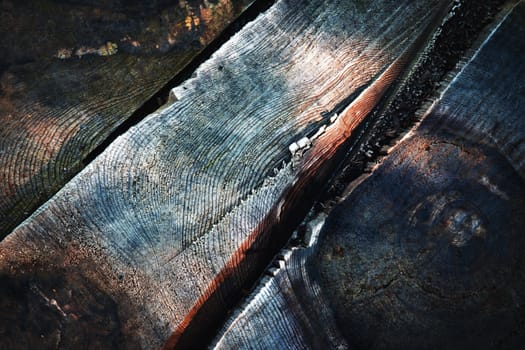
<point>385,124</point>
<point>274,231</point>
<point>161,96</point>
<point>391,121</point>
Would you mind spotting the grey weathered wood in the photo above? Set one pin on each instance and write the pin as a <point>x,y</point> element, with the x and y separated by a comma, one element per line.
<point>160,228</point>
<point>70,74</point>
<point>287,310</point>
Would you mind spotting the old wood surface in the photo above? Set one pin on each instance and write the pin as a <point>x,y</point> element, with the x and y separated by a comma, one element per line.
<point>426,251</point>
<point>71,73</point>
<point>157,236</point>
<point>287,310</point>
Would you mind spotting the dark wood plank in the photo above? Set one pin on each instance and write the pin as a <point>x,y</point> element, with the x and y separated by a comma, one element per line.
<point>169,223</point>
<point>427,253</point>
<point>71,73</point>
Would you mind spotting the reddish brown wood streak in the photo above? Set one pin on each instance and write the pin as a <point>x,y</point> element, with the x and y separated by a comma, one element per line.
<point>227,271</point>
<point>314,165</point>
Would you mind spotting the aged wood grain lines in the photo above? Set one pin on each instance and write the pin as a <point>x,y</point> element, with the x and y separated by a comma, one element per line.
<point>64,87</point>
<point>151,222</point>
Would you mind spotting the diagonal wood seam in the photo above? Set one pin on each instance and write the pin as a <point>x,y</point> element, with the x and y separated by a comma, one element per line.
<point>314,164</point>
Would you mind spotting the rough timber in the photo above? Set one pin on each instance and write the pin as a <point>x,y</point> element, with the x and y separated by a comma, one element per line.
<point>155,234</point>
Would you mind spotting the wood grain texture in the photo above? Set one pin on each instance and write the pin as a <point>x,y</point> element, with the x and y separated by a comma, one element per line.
<point>166,212</point>
<point>287,310</point>
<point>70,74</point>
<point>426,253</point>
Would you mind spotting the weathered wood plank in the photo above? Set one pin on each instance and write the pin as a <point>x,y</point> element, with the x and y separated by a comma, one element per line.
<point>70,74</point>
<point>168,212</point>
<point>426,252</point>
<point>287,310</point>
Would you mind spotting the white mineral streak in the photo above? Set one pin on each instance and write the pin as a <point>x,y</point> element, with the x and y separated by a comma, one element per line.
<point>319,132</point>
<point>293,148</point>
<point>304,143</point>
